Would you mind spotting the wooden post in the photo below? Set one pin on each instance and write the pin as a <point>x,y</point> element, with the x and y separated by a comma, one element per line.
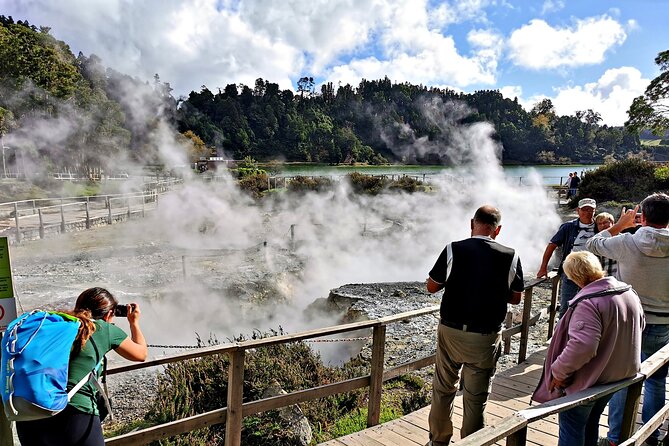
<point>553,305</point>
<point>507,324</point>
<point>41,223</point>
<point>34,208</point>
<point>631,409</point>
<point>525,327</point>
<point>183,265</point>
<point>16,220</point>
<point>62,217</point>
<point>292,233</point>
<point>127,202</point>
<point>518,438</point>
<point>109,214</point>
<point>88,215</point>
<point>143,205</point>
<point>376,376</point>
<point>233,422</point>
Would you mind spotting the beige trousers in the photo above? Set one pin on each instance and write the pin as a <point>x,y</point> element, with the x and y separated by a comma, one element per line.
<point>476,355</point>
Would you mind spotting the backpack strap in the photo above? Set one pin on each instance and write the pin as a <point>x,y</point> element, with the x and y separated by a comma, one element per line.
<point>92,376</point>
<point>616,290</point>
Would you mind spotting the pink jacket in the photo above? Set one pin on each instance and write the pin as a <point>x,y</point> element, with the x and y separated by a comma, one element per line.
<point>597,341</point>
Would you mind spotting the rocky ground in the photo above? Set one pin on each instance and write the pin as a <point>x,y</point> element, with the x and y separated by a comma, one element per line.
<point>50,273</point>
<point>415,338</point>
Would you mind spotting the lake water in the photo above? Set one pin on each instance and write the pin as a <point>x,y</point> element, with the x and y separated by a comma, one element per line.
<point>550,174</point>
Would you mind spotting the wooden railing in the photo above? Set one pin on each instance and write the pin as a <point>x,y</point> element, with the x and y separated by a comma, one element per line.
<point>514,427</point>
<point>237,409</point>
<point>30,219</point>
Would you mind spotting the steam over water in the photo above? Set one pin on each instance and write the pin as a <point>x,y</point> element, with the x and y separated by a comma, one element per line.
<point>339,238</point>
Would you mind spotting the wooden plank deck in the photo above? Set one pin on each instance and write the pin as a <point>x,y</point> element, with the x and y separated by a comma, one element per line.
<point>511,392</point>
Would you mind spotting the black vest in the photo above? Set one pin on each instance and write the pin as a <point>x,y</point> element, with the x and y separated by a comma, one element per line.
<point>478,288</point>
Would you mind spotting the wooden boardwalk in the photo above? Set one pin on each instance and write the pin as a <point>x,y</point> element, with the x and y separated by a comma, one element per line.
<point>511,392</point>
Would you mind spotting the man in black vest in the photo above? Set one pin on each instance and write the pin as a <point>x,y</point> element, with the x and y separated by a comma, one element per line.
<point>479,277</point>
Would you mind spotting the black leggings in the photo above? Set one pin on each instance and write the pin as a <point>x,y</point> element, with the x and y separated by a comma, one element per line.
<point>68,428</point>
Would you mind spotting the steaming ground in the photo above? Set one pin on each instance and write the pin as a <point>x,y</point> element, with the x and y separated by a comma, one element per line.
<point>244,271</point>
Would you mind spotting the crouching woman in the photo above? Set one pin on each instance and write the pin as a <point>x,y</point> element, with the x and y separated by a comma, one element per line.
<point>597,341</point>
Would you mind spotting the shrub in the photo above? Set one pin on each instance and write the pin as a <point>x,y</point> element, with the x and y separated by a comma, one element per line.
<point>367,184</point>
<point>662,177</point>
<point>631,179</point>
<point>406,184</point>
<point>255,183</point>
<point>190,387</point>
<point>304,184</point>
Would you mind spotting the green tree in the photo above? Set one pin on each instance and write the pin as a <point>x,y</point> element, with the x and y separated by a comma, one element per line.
<point>196,147</point>
<point>7,123</point>
<point>651,111</point>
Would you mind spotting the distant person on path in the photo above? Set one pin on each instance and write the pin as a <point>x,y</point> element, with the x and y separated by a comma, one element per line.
<point>571,237</point>
<point>604,221</point>
<point>567,184</point>
<point>643,262</point>
<point>79,422</point>
<point>573,184</point>
<point>479,277</point>
<point>598,341</point>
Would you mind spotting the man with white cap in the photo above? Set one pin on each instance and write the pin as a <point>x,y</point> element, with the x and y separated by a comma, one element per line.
<point>571,237</point>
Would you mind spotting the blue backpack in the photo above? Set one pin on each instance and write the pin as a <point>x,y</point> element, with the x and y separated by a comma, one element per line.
<point>35,353</point>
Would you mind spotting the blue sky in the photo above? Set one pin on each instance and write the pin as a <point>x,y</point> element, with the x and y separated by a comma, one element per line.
<point>581,54</point>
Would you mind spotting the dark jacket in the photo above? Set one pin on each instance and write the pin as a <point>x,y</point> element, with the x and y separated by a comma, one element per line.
<point>565,237</point>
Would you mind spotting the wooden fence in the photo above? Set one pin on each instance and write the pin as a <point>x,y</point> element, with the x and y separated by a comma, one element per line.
<point>237,409</point>
<point>32,219</point>
<point>514,427</point>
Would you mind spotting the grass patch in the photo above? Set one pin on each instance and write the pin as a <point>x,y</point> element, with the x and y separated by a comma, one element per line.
<point>200,385</point>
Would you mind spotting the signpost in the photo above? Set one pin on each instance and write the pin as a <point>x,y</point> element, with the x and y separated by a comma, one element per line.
<point>7,299</point>
<point>7,314</point>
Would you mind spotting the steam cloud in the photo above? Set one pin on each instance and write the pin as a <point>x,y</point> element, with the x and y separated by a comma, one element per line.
<point>340,237</point>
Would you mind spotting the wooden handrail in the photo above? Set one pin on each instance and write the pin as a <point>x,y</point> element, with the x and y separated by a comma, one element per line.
<point>233,414</point>
<point>513,424</point>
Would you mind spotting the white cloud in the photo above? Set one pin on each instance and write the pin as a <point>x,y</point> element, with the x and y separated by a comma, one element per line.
<point>512,91</point>
<point>451,12</point>
<point>214,42</point>
<point>552,6</point>
<point>323,29</point>
<point>611,95</point>
<point>414,52</point>
<point>538,45</point>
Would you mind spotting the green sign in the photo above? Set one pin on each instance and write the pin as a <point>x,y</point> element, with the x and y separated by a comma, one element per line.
<point>6,288</point>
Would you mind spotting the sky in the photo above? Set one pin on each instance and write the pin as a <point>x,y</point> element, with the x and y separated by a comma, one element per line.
<point>596,54</point>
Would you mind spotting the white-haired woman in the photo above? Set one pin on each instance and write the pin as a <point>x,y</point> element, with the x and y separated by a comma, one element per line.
<point>597,341</point>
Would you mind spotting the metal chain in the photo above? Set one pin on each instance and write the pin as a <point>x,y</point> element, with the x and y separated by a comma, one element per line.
<point>307,340</point>
<point>174,346</point>
<point>339,339</point>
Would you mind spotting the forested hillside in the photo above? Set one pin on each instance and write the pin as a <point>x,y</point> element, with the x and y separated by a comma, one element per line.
<point>72,112</point>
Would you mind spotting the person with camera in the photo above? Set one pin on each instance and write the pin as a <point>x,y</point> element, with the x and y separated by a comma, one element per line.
<point>79,423</point>
<point>643,262</point>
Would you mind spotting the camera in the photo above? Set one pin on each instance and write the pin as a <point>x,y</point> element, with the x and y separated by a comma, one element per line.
<point>122,310</point>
